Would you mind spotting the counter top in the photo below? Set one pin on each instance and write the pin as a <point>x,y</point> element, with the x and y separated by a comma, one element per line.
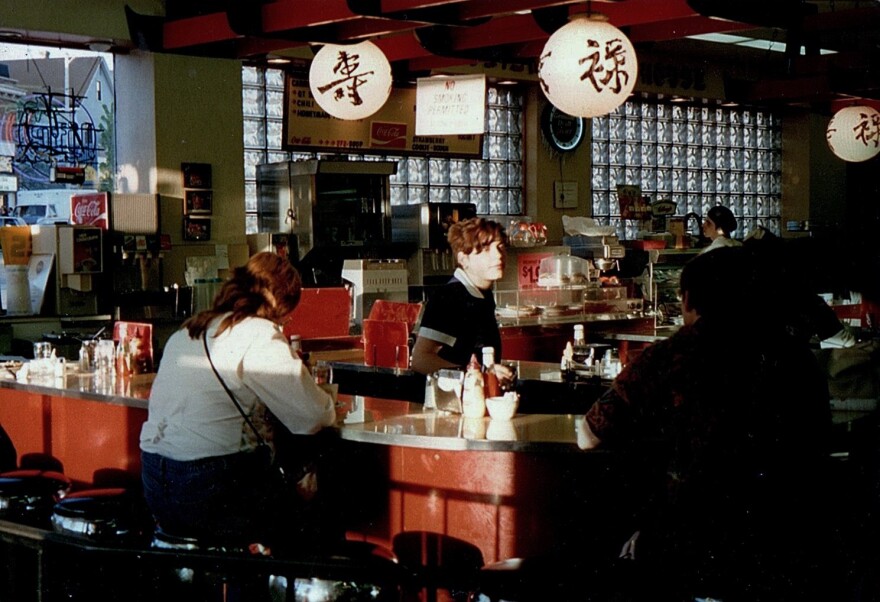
<point>131,392</point>
<point>388,422</point>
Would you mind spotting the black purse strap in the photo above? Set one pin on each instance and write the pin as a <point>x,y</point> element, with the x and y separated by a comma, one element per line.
<point>228,392</point>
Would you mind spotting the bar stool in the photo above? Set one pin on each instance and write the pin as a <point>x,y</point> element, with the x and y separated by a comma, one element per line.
<point>28,496</point>
<point>444,567</point>
<point>111,515</point>
<point>355,571</point>
<point>201,579</point>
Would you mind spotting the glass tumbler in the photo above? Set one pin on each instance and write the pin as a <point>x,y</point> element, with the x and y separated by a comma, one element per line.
<point>322,372</point>
<point>88,359</point>
<point>43,350</point>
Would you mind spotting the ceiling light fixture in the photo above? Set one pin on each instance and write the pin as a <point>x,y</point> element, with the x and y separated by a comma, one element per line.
<point>854,133</point>
<point>350,81</point>
<point>588,67</point>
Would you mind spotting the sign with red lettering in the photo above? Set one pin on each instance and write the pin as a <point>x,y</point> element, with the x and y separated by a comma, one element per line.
<point>528,266</point>
<point>89,210</point>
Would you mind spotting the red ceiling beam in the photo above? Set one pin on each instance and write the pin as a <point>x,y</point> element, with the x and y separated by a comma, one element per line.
<point>286,15</point>
<point>195,31</point>
<point>681,28</point>
<point>393,6</point>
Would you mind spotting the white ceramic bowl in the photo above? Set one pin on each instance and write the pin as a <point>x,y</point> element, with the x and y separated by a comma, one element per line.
<point>504,407</point>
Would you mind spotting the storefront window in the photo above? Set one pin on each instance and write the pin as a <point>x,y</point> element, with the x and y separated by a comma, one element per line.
<point>56,120</point>
<point>695,156</point>
<point>493,182</point>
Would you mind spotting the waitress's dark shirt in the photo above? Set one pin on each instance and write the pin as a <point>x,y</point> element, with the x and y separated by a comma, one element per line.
<point>462,318</point>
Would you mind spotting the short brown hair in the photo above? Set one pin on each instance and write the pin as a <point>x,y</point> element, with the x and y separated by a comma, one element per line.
<point>474,234</point>
<point>267,286</point>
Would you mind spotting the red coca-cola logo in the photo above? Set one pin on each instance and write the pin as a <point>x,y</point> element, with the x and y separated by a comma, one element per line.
<point>90,209</point>
<point>86,212</point>
<point>388,135</point>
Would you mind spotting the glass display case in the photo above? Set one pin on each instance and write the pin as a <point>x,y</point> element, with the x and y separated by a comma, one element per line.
<point>564,304</point>
<point>665,273</point>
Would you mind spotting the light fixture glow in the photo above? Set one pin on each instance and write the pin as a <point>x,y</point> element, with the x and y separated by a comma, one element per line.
<point>854,133</point>
<point>350,81</point>
<point>588,67</point>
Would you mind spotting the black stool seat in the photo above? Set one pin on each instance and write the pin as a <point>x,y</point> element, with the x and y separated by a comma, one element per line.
<point>27,496</point>
<point>166,540</point>
<point>107,515</point>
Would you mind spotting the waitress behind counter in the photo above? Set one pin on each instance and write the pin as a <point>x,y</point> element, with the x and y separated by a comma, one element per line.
<point>459,319</point>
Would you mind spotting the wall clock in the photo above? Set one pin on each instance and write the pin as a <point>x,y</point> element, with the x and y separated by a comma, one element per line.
<point>563,131</point>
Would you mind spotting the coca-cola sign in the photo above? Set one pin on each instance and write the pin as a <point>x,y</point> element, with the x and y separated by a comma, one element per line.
<point>388,135</point>
<point>89,210</point>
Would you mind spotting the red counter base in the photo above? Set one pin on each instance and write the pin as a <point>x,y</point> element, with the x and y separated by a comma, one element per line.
<point>507,504</point>
<point>88,437</point>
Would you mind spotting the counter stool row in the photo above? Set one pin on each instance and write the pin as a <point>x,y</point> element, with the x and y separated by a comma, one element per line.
<point>105,547</point>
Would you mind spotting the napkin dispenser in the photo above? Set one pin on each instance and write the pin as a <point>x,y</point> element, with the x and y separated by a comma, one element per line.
<point>446,390</point>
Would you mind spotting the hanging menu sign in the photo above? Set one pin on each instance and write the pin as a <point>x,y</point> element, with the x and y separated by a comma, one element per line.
<point>391,130</point>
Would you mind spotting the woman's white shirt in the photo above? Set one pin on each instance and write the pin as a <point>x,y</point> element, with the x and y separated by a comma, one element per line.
<point>192,417</point>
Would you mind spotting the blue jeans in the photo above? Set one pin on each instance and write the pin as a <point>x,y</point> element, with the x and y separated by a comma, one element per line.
<point>222,500</point>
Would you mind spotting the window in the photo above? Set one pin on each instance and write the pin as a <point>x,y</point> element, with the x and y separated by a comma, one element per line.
<point>493,182</point>
<point>56,110</point>
<point>695,156</point>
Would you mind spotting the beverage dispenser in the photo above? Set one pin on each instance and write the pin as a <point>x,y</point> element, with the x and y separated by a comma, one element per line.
<point>80,264</point>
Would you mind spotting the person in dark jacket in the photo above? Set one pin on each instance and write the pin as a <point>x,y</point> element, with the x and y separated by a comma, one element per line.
<point>743,409</point>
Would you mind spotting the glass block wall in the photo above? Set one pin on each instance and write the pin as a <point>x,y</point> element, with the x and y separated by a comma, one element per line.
<point>494,182</point>
<point>696,156</point>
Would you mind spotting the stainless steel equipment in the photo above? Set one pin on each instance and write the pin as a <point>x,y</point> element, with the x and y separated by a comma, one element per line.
<point>425,225</point>
<point>374,279</point>
<point>326,204</point>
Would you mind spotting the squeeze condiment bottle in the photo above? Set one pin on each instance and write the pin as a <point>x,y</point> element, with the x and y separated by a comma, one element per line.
<point>473,398</point>
<point>491,386</point>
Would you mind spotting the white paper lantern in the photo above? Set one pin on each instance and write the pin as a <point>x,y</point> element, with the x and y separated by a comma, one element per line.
<point>854,133</point>
<point>588,67</point>
<point>351,81</point>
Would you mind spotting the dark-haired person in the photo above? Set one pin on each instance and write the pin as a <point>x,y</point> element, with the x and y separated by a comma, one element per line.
<point>200,473</point>
<point>459,318</point>
<point>743,409</point>
<point>718,227</point>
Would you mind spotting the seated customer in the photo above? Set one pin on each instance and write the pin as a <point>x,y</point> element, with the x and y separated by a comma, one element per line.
<point>201,475</point>
<point>743,410</point>
<point>459,319</point>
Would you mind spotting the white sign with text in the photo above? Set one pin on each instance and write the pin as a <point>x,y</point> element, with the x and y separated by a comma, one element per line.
<point>451,105</point>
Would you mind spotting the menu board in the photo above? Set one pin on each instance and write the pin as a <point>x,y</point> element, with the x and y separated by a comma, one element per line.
<point>391,130</point>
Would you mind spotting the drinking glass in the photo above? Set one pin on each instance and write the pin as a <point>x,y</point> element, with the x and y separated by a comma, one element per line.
<point>88,361</point>
<point>43,350</point>
<point>323,372</point>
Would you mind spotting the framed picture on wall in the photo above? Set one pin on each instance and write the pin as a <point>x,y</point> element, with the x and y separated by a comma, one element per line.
<point>196,175</point>
<point>196,228</point>
<point>198,202</point>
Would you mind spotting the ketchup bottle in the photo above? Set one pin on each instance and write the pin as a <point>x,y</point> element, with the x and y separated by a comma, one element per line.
<point>490,380</point>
